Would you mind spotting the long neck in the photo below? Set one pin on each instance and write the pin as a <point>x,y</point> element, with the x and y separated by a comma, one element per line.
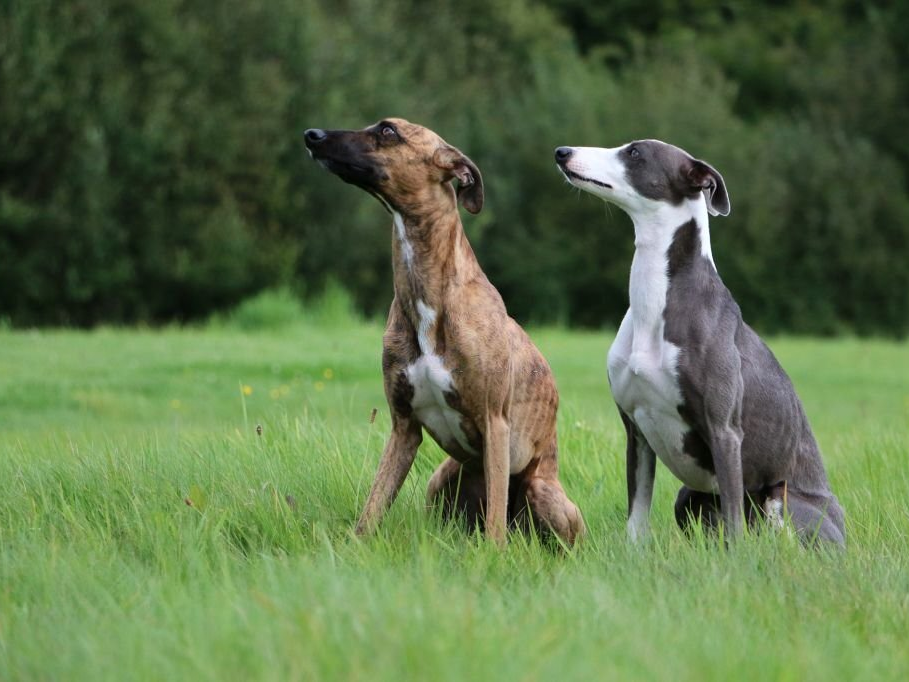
<point>654,234</point>
<point>430,253</point>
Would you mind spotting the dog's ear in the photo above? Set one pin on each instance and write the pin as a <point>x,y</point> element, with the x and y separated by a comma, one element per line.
<point>470,182</point>
<point>706,178</point>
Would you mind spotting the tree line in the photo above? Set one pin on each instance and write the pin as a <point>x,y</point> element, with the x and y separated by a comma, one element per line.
<point>152,166</point>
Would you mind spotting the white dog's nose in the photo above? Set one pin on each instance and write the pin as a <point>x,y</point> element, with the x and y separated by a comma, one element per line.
<point>562,154</point>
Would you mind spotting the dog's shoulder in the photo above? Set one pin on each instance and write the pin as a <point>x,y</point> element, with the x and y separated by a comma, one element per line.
<point>701,312</point>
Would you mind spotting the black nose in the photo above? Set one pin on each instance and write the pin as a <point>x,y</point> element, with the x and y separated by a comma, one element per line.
<point>314,135</point>
<point>562,154</point>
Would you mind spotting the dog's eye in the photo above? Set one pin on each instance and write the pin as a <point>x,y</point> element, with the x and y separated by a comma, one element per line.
<point>388,131</point>
<point>634,153</point>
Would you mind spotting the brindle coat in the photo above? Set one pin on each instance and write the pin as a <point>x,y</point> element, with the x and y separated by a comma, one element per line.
<point>504,459</point>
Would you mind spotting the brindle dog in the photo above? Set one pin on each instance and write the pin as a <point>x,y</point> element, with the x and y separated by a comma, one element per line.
<point>454,362</point>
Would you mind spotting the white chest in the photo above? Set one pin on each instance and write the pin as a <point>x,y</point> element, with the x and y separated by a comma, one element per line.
<point>645,386</point>
<point>431,380</point>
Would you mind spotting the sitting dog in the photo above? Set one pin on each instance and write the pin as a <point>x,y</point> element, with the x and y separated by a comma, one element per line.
<point>695,385</point>
<point>454,362</point>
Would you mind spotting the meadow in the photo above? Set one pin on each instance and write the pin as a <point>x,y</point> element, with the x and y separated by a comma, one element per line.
<point>178,504</point>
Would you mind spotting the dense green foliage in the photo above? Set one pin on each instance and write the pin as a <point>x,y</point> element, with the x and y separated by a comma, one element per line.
<point>151,164</point>
<point>108,573</point>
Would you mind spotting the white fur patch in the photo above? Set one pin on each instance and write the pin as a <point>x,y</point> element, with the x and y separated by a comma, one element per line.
<point>774,511</point>
<point>427,319</point>
<point>638,526</point>
<point>406,246</point>
<point>431,380</point>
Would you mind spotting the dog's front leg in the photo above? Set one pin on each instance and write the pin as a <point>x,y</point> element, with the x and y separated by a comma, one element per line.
<point>496,466</point>
<point>722,396</point>
<point>724,436</point>
<point>400,451</point>
<point>726,447</point>
<point>640,467</point>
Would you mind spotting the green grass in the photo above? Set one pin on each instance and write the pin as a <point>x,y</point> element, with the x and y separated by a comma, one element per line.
<point>106,571</point>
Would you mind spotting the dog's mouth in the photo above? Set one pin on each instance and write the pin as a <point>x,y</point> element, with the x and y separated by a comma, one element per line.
<point>342,168</point>
<point>571,175</point>
<point>359,175</point>
<point>366,176</point>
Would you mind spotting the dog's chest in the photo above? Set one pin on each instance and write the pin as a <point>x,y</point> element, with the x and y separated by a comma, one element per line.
<point>645,386</point>
<point>433,386</point>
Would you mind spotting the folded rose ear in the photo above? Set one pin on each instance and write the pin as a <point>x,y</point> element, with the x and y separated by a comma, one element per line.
<point>705,177</point>
<point>470,183</point>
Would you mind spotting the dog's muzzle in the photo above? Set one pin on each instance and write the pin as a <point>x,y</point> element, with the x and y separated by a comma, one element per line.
<point>563,156</point>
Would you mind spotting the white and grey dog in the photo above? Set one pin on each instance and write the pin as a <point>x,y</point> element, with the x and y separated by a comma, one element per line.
<point>695,385</point>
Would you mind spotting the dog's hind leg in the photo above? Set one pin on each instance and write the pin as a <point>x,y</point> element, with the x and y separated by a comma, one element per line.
<point>459,490</point>
<point>691,505</point>
<point>815,519</point>
<point>551,509</point>
<point>441,478</point>
<point>537,489</point>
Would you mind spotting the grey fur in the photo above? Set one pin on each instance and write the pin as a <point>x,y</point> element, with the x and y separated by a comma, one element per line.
<point>666,173</point>
<point>730,380</point>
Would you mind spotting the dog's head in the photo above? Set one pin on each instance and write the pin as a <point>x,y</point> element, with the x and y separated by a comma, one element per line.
<point>637,174</point>
<point>403,164</point>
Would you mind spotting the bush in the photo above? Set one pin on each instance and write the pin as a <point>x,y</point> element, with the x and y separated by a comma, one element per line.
<point>277,309</point>
<point>267,311</point>
<point>333,307</point>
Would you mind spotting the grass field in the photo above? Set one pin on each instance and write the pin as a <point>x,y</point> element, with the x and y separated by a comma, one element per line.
<point>146,532</point>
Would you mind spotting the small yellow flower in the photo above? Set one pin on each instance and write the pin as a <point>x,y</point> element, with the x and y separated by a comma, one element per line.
<point>328,373</point>
<point>320,386</point>
<point>175,404</point>
<point>274,393</point>
<point>247,390</point>
<point>284,389</point>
